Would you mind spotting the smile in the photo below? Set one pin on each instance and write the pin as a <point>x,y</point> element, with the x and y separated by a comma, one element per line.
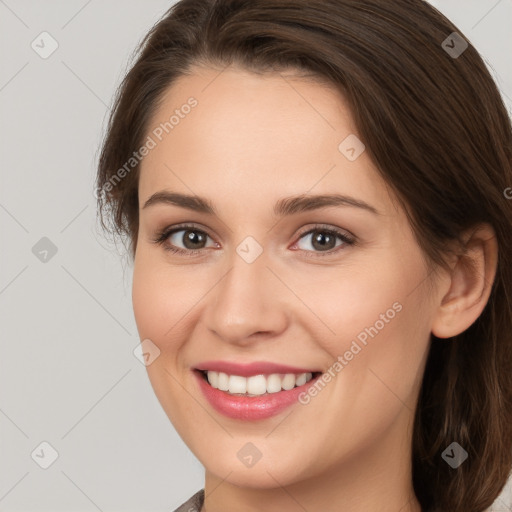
<point>256,397</point>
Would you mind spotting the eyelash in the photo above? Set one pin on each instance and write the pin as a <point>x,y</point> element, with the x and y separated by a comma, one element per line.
<point>163,235</point>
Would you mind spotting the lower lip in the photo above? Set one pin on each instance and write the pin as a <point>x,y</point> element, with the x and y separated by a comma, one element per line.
<point>250,408</point>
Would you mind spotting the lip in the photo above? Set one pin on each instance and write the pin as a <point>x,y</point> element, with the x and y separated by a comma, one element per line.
<point>250,408</point>
<point>250,369</point>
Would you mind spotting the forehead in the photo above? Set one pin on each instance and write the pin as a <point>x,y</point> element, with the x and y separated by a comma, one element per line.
<point>256,137</point>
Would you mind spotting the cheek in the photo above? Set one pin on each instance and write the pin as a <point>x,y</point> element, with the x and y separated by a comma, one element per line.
<point>381,381</point>
<point>146,297</point>
<point>378,353</point>
<point>376,324</point>
<point>161,300</point>
<point>156,299</point>
<point>165,298</point>
<point>388,369</point>
<point>352,304</point>
<point>150,293</point>
<point>381,297</point>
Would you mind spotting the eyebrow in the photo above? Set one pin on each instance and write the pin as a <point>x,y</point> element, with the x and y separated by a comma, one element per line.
<point>286,206</point>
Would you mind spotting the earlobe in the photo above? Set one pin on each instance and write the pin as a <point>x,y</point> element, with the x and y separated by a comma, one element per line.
<point>470,283</point>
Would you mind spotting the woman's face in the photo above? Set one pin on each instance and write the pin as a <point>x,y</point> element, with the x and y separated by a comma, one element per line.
<point>272,282</point>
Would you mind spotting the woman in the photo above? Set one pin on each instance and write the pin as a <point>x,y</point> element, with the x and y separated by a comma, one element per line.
<point>314,194</point>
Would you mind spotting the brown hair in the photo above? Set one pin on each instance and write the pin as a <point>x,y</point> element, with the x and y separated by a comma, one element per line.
<point>436,127</point>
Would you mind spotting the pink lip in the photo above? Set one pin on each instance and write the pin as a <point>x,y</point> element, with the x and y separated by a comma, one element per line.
<point>250,369</point>
<point>250,408</point>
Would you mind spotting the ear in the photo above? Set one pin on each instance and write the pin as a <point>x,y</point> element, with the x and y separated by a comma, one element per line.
<point>469,283</point>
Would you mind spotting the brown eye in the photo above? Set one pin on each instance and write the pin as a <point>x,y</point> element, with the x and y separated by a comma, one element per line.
<point>194,239</point>
<point>191,239</point>
<point>185,240</point>
<point>323,240</point>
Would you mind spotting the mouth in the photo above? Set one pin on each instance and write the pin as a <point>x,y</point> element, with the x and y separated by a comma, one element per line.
<point>255,385</point>
<point>255,397</point>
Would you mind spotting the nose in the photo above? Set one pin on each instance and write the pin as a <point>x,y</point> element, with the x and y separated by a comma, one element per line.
<point>248,303</point>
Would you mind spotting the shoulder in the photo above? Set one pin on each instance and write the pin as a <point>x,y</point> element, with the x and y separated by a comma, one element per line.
<point>193,504</point>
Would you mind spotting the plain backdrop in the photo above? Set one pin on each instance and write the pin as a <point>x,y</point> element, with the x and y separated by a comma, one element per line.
<point>68,375</point>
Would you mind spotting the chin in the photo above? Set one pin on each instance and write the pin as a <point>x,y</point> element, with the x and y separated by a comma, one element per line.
<point>257,477</point>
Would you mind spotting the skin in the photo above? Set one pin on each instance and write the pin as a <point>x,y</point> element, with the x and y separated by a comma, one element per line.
<point>252,140</point>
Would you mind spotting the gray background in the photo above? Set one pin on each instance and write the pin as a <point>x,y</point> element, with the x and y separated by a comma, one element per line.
<point>68,375</point>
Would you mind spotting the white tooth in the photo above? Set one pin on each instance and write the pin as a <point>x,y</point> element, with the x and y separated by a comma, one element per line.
<point>257,385</point>
<point>288,381</point>
<point>301,379</point>
<point>223,381</point>
<point>213,379</point>
<point>273,383</point>
<point>237,384</point>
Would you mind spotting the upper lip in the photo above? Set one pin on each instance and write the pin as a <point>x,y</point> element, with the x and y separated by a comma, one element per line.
<point>249,369</point>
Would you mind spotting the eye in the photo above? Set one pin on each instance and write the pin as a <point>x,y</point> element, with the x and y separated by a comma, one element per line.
<point>184,239</point>
<point>324,240</point>
<point>191,239</point>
